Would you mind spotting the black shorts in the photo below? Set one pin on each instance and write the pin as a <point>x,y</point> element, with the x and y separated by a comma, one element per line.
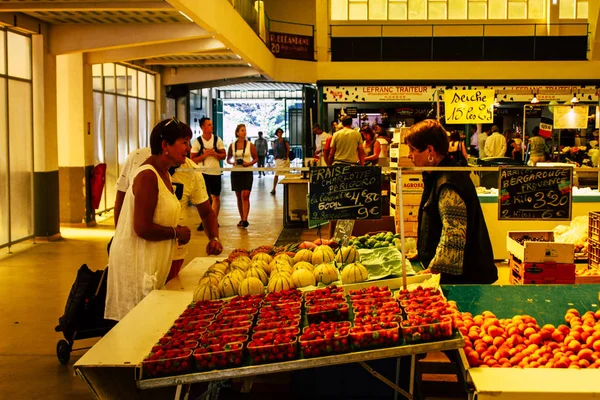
<point>213,184</point>
<point>241,181</point>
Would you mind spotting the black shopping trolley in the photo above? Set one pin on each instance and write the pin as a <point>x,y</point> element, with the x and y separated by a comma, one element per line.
<point>84,312</point>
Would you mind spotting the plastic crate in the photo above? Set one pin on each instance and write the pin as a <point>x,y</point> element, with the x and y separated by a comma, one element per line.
<point>325,346</point>
<point>227,356</point>
<point>540,273</point>
<point>168,366</point>
<point>269,325</point>
<point>375,338</point>
<point>594,227</point>
<point>414,333</point>
<point>336,312</point>
<point>273,352</point>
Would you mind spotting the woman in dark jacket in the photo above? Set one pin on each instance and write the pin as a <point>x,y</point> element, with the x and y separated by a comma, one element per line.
<point>453,237</point>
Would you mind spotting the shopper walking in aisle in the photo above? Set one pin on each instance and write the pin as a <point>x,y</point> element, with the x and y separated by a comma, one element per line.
<point>189,188</point>
<point>208,151</point>
<point>346,145</point>
<point>457,150</point>
<point>320,139</point>
<point>537,148</point>
<point>281,153</point>
<point>140,257</point>
<point>371,147</point>
<point>242,154</point>
<point>495,145</point>
<point>262,148</point>
<point>453,238</point>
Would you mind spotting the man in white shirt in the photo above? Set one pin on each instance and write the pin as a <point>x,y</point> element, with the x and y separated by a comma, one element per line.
<point>320,139</point>
<point>207,151</point>
<point>495,145</point>
<point>189,187</point>
<point>474,151</point>
<point>481,138</point>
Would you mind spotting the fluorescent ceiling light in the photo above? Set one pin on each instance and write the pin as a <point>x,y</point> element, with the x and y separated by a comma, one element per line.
<point>535,99</point>
<point>182,13</point>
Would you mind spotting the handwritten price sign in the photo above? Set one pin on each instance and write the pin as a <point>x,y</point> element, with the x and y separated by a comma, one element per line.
<point>469,106</point>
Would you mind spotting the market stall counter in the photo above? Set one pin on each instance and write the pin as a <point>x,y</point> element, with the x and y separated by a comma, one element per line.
<point>112,367</point>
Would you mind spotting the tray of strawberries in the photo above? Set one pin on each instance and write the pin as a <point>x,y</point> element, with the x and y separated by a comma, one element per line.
<point>269,324</point>
<point>250,302</point>
<point>422,328</point>
<point>224,323</point>
<point>188,330</point>
<point>374,335</point>
<point>326,292</point>
<point>370,293</point>
<point>283,296</point>
<point>219,356</point>
<point>404,294</point>
<point>273,346</point>
<point>169,343</point>
<point>385,312</point>
<point>333,311</point>
<point>325,338</point>
<point>234,312</point>
<point>202,307</point>
<point>167,362</point>
<point>223,337</point>
<point>282,311</point>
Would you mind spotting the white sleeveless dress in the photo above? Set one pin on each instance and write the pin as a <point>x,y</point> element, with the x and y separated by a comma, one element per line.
<point>137,266</point>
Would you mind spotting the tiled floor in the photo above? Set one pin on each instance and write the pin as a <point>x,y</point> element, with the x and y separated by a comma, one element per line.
<point>36,278</point>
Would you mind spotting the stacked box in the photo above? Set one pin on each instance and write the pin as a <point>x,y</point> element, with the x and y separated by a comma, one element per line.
<point>594,240</point>
<point>535,258</point>
<point>412,189</point>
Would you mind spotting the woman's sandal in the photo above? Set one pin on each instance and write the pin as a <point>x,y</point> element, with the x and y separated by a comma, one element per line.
<point>241,223</point>
<point>245,224</point>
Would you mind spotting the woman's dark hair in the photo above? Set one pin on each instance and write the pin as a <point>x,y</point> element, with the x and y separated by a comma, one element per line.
<point>428,133</point>
<point>535,131</point>
<point>278,130</point>
<point>368,131</point>
<point>455,136</point>
<point>237,128</point>
<point>168,130</point>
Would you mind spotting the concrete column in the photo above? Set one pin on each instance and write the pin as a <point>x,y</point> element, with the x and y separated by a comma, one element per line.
<point>322,30</point>
<point>594,28</point>
<point>75,137</point>
<point>45,175</point>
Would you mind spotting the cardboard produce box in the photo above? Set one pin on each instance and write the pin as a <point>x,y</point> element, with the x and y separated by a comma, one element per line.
<point>539,251</point>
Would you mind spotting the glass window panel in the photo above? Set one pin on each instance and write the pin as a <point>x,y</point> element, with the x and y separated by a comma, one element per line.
<point>97,76</point>
<point>497,9</point>
<point>339,10</point>
<point>517,10</point>
<point>141,85</point>
<point>357,11</point>
<point>142,123</point>
<point>2,55</point>
<point>121,79</point>
<point>582,10</point>
<point>110,147</point>
<point>437,10</point>
<point>537,9</point>
<point>108,71</point>
<point>3,167</point>
<point>398,11</point>
<point>417,9</point>
<point>19,55</point>
<point>132,82</point>
<point>477,10</point>
<point>21,159</point>
<point>151,117</point>
<point>123,144</point>
<point>151,88</point>
<point>566,9</point>
<point>133,123</point>
<point>457,9</point>
<point>98,128</point>
<point>378,9</point>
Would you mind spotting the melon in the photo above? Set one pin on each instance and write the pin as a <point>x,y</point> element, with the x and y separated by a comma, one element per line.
<point>279,283</point>
<point>259,273</point>
<point>347,255</point>
<point>276,264</point>
<point>354,273</point>
<point>262,257</point>
<point>251,286</point>
<point>286,258</point>
<point>219,267</point>
<point>302,278</point>
<point>206,279</point>
<point>241,262</point>
<point>229,286</point>
<point>303,265</point>
<point>260,264</point>
<point>303,255</point>
<point>326,273</point>
<point>206,292</point>
<point>238,274</point>
<point>322,254</point>
<point>278,273</point>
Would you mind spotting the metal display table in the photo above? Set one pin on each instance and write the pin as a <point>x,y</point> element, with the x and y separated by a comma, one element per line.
<point>111,366</point>
<point>546,303</point>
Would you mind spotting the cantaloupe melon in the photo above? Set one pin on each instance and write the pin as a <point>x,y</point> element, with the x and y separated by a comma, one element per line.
<point>326,273</point>
<point>241,262</point>
<point>251,286</point>
<point>263,257</point>
<point>354,273</point>
<point>322,254</point>
<point>206,292</point>
<point>303,278</point>
<point>285,257</point>
<point>347,255</point>
<point>257,272</point>
<point>279,283</point>
<point>209,279</point>
<point>303,265</point>
<point>229,286</point>
<point>303,255</point>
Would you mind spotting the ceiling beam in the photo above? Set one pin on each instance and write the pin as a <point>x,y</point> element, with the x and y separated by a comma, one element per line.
<point>186,75</point>
<point>195,62</point>
<point>86,6</point>
<point>145,51</point>
<point>77,38</point>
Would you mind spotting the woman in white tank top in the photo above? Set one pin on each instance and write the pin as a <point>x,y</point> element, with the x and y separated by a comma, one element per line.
<point>140,256</point>
<point>242,154</point>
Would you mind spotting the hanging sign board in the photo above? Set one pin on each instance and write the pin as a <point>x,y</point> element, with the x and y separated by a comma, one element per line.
<point>345,192</point>
<point>469,106</point>
<point>343,231</point>
<point>287,45</point>
<point>352,112</point>
<point>570,117</point>
<point>540,193</point>
<point>375,94</point>
<point>314,223</point>
<point>545,130</point>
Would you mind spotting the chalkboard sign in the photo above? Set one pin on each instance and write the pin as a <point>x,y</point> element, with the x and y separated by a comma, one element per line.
<point>540,193</point>
<point>345,192</point>
<point>343,231</point>
<point>352,112</point>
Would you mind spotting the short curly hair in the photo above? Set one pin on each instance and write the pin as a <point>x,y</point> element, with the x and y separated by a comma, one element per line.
<point>426,133</point>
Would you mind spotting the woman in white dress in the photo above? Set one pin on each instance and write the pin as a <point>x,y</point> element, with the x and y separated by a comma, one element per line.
<point>141,252</point>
